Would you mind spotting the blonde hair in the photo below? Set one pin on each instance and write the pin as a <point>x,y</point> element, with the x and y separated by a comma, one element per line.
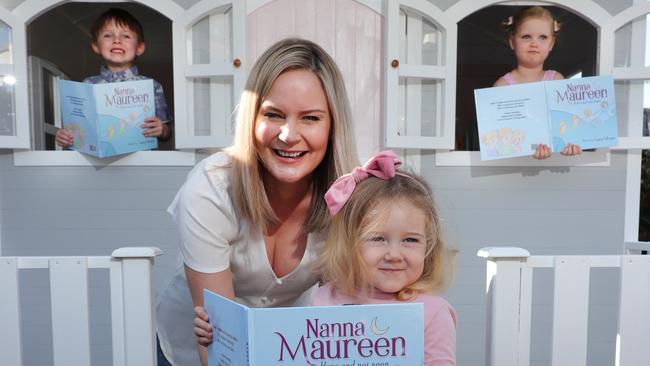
<point>511,24</point>
<point>248,190</point>
<point>341,261</point>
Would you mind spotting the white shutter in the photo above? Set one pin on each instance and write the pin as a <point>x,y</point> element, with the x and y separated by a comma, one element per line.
<point>209,44</point>
<point>14,110</point>
<point>624,54</point>
<point>420,76</point>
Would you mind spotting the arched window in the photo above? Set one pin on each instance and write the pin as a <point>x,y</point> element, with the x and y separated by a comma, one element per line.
<point>484,55</point>
<point>7,116</point>
<point>59,47</point>
<point>420,76</point>
<point>13,84</point>
<point>208,72</point>
<point>626,51</point>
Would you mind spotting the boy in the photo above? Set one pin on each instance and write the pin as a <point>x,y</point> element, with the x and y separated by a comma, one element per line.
<point>119,39</point>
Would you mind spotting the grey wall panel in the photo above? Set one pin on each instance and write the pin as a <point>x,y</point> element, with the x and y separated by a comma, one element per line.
<point>109,200</point>
<point>563,210</point>
<point>83,211</point>
<point>577,210</point>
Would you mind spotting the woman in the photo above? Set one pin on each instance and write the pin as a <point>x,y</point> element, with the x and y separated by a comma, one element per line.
<point>250,218</point>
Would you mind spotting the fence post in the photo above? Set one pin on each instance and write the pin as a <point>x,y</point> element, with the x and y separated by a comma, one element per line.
<point>137,302</point>
<point>633,323</point>
<point>504,287</point>
<point>10,335</point>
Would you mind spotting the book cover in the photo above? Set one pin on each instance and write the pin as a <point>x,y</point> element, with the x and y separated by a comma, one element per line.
<point>582,112</point>
<point>105,119</point>
<point>390,334</point>
<point>513,119</point>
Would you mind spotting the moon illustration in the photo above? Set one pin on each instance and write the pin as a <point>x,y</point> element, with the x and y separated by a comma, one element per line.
<point>375,329</point>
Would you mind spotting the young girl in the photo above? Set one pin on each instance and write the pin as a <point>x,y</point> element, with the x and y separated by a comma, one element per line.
<point>531,34</point>
<point>385,246</point>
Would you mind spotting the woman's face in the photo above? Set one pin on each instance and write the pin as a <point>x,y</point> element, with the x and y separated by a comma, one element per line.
<point>292,127</point>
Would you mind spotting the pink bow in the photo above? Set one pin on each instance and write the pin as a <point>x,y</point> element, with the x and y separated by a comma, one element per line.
<point>381,166</point>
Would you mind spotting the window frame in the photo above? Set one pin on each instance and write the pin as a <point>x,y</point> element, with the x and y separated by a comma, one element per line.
<point>445,74</point>
<point>21,138</point>
<point>450,157</point>
<point>625,73</point>
<point>36,68</point>
<point>22,14</point>
<point>24,156</point>
<point>633,144</point>
<point>183,71</point>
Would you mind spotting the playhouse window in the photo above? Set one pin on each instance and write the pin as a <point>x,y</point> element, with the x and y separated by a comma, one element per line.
<point>632,81</point>
<point>59,48</point>
<point>484,55</point>
<point>209,42</point>
<point>419,102</point>
<point>631,65</point>
<point>7,107</point>
<point>212,75</point>
<point>418,77</point>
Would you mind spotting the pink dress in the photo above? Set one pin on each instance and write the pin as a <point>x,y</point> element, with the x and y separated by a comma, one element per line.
<point>548,75</point>
<point>439,321</point>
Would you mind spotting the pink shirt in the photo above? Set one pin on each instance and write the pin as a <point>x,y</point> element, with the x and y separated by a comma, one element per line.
<point>439,321</point>
<point>548,75</point>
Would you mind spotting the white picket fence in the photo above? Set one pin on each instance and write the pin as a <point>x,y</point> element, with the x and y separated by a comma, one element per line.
<point>509,287</point>
<point>131,299</point>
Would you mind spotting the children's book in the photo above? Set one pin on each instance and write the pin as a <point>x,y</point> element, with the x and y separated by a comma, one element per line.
<point>105,119</point>
<point>351,335</point>
<point>513,119</point>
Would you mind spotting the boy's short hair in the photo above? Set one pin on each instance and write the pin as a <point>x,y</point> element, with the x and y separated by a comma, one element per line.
<point>122,18</point>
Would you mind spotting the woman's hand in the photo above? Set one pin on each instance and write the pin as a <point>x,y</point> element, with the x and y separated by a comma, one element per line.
<point>202,327</point>
<point>219,282</point>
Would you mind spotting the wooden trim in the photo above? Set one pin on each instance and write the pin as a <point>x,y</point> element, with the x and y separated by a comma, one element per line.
<point>30,9</point>
<point>252,5</point>
<point>73,158</point>
<point>591,10</point>
<point>598,158</point>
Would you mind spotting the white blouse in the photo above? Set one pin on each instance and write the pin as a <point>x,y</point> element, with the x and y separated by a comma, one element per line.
<point>214,238</point>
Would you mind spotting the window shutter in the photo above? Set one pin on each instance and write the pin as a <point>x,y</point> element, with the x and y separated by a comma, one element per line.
<point>420,76</point>
<point>209,44</point>
<point>14,111</point>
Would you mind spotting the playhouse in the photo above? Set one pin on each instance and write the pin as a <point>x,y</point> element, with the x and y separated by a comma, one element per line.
<point>410,68</point>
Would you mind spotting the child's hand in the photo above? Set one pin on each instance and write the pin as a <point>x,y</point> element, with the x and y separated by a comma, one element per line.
<point>152,127</point>
<point>64,138</point>
<point>202,328</point>
<point>571,150</point>
<point>542,152</point>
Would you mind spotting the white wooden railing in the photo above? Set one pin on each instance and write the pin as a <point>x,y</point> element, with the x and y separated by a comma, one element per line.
<point>131,298</point>
<point>509,288</point>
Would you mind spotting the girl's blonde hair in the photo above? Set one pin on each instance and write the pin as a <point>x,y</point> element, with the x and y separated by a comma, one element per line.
<point>248,190</point>
<point>511,25</point>
<point>368,206</point>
